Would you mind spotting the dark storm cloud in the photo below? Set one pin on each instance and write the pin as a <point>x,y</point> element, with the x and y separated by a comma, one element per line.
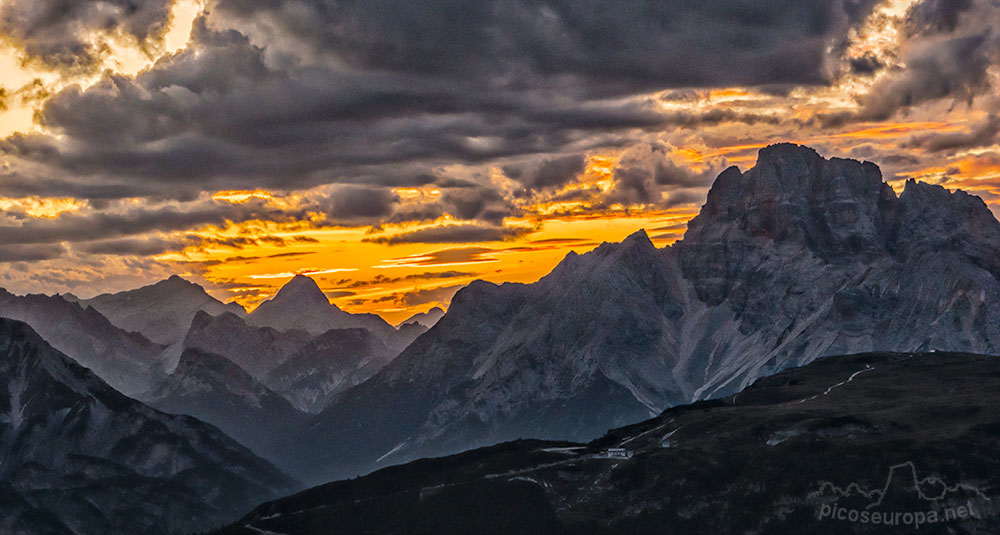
<point>645,176</point>
<point>353,202</point>
<point>419,297</point>
<point>866,64</point>
<point>120,233</point>
<point>445,81</point>
<point>452,234</point>
<point>29,253</point>
<point>613,46</point>
<point>935,16</point>
<point>130,246</point>
<point>948,48</point>
<point>60,33</point>
<point>73,227</point>
<point>550,173</point>
<point>477,203</point>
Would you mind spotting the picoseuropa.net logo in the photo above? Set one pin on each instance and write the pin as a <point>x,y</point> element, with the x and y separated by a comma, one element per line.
<point>905,500</point>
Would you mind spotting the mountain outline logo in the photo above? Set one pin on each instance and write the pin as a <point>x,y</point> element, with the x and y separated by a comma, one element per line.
<point>904,499</point>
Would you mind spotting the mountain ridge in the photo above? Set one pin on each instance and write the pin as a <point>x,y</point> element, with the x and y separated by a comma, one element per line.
<point>161,311</point>
<point>686,470</point>
<point>798,257</point>
<point>80,457</point>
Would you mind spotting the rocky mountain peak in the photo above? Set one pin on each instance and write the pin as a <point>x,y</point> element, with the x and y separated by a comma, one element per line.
<point>302,289</point>
<point>638,238</point>
<point>793,194</point>
<point>176,283</point>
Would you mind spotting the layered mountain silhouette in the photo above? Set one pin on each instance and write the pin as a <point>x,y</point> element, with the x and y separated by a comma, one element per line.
<point>761,461</point>
<point>78,457</point>
<point>329,364</point>
<point>128,361</point>
<point>797,258</point>
<point>163,311</point>
<point>427,319</point>
<point>215,390</point>
<point>257,350</point>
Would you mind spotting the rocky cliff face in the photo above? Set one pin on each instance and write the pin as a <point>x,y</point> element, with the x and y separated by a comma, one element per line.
<point>809,257</point>
<point>798,258</point>
<point>326,366</point>
<point>78,457</point>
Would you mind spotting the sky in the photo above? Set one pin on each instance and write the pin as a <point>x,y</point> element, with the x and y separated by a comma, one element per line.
<point>397,150</point>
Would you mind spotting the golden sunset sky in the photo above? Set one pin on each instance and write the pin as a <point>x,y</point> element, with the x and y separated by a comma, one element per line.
<point>396,151</point>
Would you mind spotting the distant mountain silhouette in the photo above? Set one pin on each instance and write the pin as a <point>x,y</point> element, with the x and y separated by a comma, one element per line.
<point>163,311</point>
<point>76,456</point>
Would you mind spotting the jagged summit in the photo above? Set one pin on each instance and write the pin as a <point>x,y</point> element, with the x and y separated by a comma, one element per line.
<point>797,258</point>
<point>638,238</point>
<point>835,206</point>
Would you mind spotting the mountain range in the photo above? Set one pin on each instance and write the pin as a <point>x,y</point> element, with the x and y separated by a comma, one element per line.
<point>78,457</point>
<point>797,258</point>
<point>777,458</point>
<point>127,361</point>
<point>161,312</point>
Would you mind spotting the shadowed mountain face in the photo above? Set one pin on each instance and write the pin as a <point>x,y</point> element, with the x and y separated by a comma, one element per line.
<point>783,456</point>
<point>78,457</point>
<point>257,350</point>
<point>217,391</point>
<point>329,364</point>
<point>127,361</point>
<point>162,311</point>
<point>798,258</point>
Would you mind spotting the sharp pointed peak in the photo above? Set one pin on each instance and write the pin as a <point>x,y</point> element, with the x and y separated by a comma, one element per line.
<point>640,236</point>
<point>302,287</point>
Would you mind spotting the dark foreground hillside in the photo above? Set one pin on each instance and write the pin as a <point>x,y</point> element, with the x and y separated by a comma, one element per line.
<point>874,443</point>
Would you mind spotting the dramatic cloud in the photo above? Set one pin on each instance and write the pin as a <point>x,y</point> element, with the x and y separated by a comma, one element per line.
<point>604,45</point>
<point>74,34</point>
<point>551,173</point>
<point>29,253</point>
<point>644,176</point>
<point>954,68</point>
<point>420,297</point>
<point>448,122</point>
